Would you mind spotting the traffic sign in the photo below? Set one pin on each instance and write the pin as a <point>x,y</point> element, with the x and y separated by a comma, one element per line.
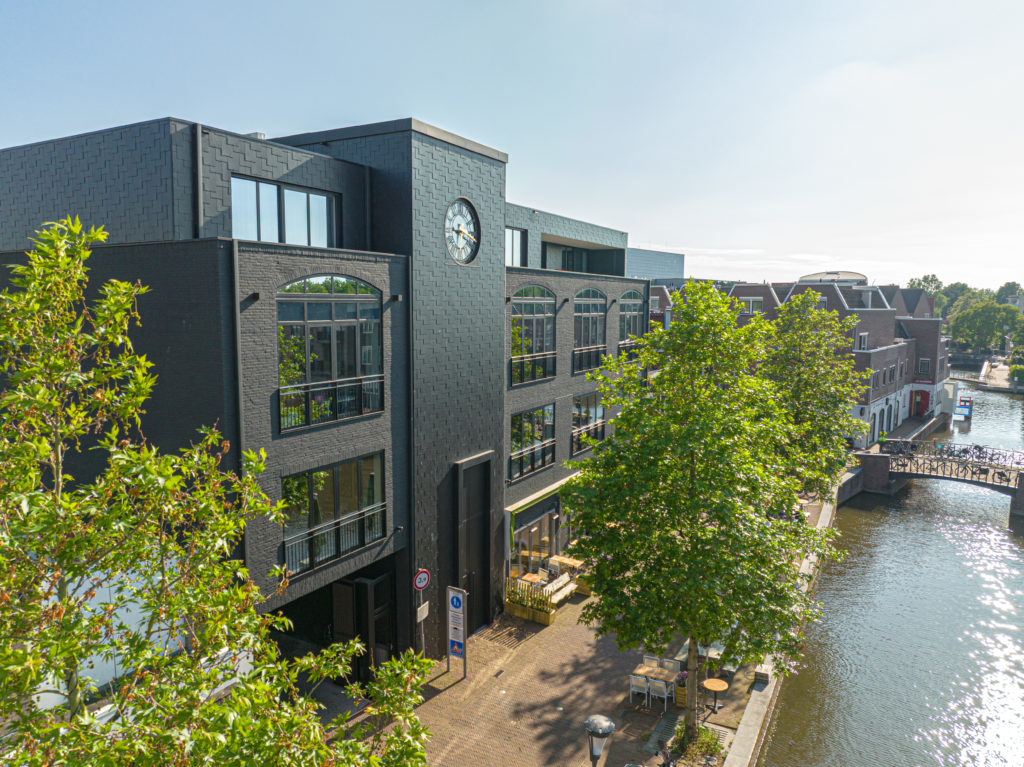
<point>421,580</point>
<point>456,622</point>
<point>455,648</point>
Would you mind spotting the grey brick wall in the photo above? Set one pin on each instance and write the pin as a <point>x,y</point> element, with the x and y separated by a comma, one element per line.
<point>389,157</point>
<point>120,178</point>
<point>458,323</point>
<point>263,268</point>
<point>566,385</point>
<point>539,222</point>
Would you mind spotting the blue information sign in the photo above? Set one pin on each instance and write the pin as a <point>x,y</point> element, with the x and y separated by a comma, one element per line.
<point>455,649</point>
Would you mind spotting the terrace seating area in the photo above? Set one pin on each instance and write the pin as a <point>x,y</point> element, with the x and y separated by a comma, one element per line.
<point>535,595</point>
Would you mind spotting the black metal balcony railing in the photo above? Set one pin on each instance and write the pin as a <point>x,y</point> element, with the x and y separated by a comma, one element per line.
<point>587,358</point>
<point>532,367</point>
<point>313,403</point>
<point>595,430</point>
<point>531,459</point>
<point>627,348</point>
<point>309,548</point>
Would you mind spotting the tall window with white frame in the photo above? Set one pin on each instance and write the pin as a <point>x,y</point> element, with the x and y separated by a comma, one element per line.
<point>589,311</point>
<point>532,441</point>
<point>631,316</point>
<point>329,350</point>
<point>532,335</point>
<point>269,212</point>
<point>587,421</point>
<point>515,247</point>
<point>333,510</point>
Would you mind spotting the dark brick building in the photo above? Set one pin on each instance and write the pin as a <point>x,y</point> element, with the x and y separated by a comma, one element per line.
<point>408,347</point>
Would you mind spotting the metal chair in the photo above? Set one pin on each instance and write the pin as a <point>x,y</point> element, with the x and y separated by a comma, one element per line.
<point>542,573</point>
<point>651,660</point>
<point>664,690</point>
<point>670,664</point>
<point>639,684</point>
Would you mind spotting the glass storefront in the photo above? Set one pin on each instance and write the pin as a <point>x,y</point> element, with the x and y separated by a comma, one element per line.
<point>538,531</point>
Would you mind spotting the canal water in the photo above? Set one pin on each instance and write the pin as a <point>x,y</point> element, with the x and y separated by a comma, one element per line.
<point>919,656</point>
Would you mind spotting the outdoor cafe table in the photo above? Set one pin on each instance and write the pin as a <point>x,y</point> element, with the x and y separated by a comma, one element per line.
<point>566,561</point>
<point>532,578</point>
<point>716,686</point>
<point>655,672</point>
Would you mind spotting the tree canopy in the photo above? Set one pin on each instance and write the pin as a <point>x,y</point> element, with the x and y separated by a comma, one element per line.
<point>1006,291</point>
<point>930,284</point>
<point>135,564</point>
<point>983,325</point>
<point>686,513</point>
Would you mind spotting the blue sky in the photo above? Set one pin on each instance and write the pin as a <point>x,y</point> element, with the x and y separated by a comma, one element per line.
<point>765,140</point>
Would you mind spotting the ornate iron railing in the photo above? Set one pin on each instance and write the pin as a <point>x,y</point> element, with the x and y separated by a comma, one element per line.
<point>312,403</point>
<point>977,463</point>
<point>532,367</point>
<point>309,548</point>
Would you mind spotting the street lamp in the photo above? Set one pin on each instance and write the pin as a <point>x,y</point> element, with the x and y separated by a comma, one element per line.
<point>599,728</point>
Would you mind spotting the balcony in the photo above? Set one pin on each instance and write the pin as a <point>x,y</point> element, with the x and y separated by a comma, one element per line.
<point>628,348</point>
<point>312,403</point>
<point>524,462</point>
<point>587,358</point>
<point>532,367</point>
<point>595,430</point>
<point>330,540</point>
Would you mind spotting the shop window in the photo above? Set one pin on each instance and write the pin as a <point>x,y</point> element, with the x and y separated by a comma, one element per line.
<point>536,538</point>
<point>532,441</point>
<point>589,348</point>
<point>276,213</point>
<point>333,510</point>
<point>329,350</point>
<point>533,335</point>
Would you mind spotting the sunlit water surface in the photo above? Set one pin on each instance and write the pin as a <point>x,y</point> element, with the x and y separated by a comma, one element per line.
<point>919,658</point>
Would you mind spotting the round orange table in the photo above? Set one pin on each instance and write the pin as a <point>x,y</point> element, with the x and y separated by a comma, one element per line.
<point>716,686</point>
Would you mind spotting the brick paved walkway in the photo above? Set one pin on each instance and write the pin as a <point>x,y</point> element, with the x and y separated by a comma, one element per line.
<point>529,690</point>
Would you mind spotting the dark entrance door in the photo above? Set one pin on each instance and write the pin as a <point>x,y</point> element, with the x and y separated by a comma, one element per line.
<point>475,543</point>
<point>364,607</point>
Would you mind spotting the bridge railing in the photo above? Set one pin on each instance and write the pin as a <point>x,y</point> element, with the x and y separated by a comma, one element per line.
<point>978,463</point>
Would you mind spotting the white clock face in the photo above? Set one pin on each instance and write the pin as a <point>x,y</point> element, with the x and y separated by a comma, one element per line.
<point>462,231</point>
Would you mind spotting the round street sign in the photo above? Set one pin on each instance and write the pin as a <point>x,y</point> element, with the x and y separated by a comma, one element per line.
<point>421,580</point>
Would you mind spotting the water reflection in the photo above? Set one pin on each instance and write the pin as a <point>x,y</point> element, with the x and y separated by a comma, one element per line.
<point>919,659</point>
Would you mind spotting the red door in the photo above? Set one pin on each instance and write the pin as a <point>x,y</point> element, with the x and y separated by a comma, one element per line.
<point>921,399</point>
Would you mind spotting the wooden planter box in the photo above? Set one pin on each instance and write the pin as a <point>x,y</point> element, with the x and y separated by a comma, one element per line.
<point>542,617</point>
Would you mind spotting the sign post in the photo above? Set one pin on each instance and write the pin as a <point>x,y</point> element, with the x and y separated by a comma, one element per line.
<point>419,582</point>
<point>457,626</point>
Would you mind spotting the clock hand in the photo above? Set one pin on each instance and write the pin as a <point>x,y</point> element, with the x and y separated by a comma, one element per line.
<point>463,231</point>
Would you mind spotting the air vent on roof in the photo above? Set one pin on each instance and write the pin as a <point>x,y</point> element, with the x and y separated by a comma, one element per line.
<point>257,134</point>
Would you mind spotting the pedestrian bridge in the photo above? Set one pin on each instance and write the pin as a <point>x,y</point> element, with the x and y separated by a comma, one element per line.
<point>899,460</point>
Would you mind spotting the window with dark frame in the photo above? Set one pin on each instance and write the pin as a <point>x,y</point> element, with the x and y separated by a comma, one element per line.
<point>333,510</point>
<point>515,247</point>
<point>631,316</point>
<point>587,420</point>
<point>924,366</point>
<point>270,212</point>
<point>329,350</point>
<point>589,312</point>
<point>532,441</point>
<point>532,335</point>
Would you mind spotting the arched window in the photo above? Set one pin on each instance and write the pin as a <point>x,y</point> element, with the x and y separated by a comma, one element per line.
<point>329,350</point>
<point>872,435</point>
<point>631,319</point>
<point>533,334</point>
<point>588,329</point>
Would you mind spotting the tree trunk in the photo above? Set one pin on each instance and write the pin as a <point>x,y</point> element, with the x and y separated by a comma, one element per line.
<point>691,689</point>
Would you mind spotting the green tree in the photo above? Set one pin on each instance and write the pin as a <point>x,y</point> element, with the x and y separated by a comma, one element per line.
<point>968,299</point>
<point>930,284</point>
<point>982,326</point>
<point>684,510</point>
<point>1006,291</point>
<point>134,563</point>
<point>817,383</point>
<point>952,292</point>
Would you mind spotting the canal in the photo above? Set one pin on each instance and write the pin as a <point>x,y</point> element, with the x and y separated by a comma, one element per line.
<point>919,656</point>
